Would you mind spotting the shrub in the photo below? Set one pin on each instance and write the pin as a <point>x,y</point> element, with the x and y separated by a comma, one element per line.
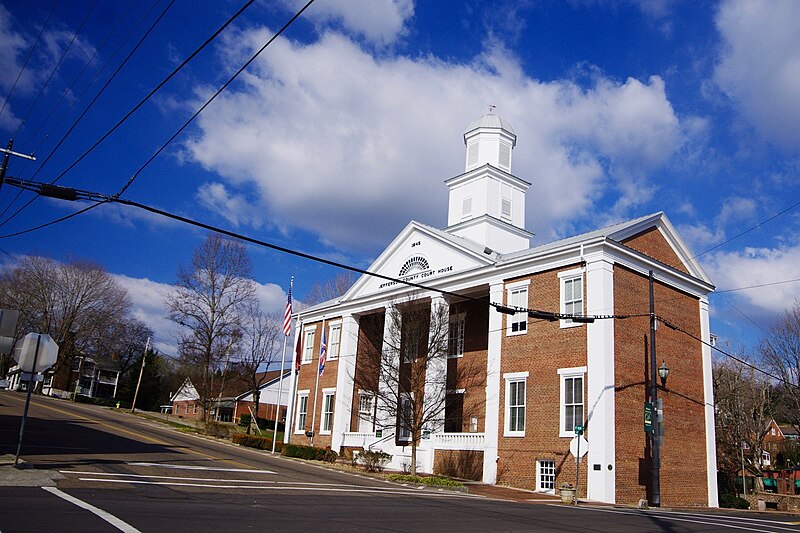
<point>263,423</point>
<point>374,461</point>
<point>731,501</point>
<point>254,441</point>
<point>309,452</point>
<point>219,430</point>
<point>430,480</point>
<point>107,402</point>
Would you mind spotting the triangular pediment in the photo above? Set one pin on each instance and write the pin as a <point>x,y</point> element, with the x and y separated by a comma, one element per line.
<point>421,254</point>
<point>656,237</point>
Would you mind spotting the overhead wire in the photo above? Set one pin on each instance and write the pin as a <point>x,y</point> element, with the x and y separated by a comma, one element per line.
<point>56,67</point>
<point>68,89</point>
<point>28,57</point>
<point>86,110</point>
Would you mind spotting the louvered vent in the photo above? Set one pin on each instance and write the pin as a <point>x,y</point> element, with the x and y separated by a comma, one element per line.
<point>472,154</point>
<point>466,207</point>
<point>505,156</point>
<point>505,209</point>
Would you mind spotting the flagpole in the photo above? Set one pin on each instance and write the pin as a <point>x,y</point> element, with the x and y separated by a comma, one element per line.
<point>287,324</point>
<point>316,385</point>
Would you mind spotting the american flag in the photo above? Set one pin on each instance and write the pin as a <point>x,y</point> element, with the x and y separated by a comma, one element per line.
<point>287,316</point>
<point>323,352</point>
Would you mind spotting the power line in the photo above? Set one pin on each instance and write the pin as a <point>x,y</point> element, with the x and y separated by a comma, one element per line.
<point>759,285</point>
<point>86,110</point>
<point>27,58</point>
<point>55,68</point>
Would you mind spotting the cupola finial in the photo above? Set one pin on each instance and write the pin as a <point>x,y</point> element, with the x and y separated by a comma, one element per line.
<point>492,107</point>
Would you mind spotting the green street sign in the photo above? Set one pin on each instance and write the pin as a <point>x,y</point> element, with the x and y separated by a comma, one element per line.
<point>579,430</point>
<point>648,417</point>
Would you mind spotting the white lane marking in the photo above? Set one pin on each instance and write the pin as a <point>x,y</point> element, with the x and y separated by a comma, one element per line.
<point>184,478</point>
<point>281,487</point>
<point>209,468</point>
<point>720,521</point>
<point>740,518</point>
<point>108,517</point>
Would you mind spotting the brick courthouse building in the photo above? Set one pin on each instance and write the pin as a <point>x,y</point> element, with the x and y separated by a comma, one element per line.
<point>540,377</point>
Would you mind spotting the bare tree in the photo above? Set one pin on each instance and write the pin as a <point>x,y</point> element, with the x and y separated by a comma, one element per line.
<point>780,351</point>
<point>78,303</point>
<point>743,404</point>
<point>330,289</point>
<point>209,302</point>
<point>262,333</point>
<point>410,377</point>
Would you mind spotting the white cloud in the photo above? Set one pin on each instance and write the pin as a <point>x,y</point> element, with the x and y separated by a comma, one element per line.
<point>759,68</point>
<point>351,146</point>
<point>235,208</point>
<point>148,298</point>
<point>758,266</point>
<point>379,21</point>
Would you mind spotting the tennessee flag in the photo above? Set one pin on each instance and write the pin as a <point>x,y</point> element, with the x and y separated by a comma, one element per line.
<point>323,352</point>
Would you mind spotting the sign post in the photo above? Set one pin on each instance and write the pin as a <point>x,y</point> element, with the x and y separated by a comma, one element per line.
<point>40,358</point>
<point>575,449</point>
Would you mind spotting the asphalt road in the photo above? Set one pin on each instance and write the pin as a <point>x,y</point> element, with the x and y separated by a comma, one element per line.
<point>118,472</point>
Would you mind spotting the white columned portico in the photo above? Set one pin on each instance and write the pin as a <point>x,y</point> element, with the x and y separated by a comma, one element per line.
<point>436,371</point>
<point>289,424</point>
<point>492,419</point>
<point>601,484</point>
<point>708,399</point>
<point>345,376</point>
<point>390,357</point>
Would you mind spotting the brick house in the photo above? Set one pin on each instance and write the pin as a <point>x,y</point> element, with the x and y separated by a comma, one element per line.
<point>543,374</point>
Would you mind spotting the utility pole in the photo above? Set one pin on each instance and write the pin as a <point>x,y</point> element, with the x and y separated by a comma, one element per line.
<point>656,448</point>
<point>8,153</point>
<point>141,371</point>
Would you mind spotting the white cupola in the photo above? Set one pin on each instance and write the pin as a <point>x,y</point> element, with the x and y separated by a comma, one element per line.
<point>487,202</point>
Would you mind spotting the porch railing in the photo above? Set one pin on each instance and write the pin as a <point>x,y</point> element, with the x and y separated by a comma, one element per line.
<point>458,441</point>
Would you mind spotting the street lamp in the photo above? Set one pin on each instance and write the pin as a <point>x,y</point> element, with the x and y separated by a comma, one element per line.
<point>663,372</point>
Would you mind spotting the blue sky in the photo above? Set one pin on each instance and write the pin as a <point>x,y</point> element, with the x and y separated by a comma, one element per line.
<point>347,126</point>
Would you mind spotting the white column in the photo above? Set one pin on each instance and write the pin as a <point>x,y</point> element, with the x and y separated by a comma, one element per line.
<point>492,418</point>
<point>436,371</point>
<point>708,399</point>
<point>390,357</point>
<point>601,424</point>
<point>288,427</point>
<point>343,409</point>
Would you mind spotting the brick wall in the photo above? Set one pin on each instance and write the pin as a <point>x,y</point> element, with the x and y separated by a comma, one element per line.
<point>544,349</point>
<point>683,452</point>
<point>460,464</point>
<point>652,243</point>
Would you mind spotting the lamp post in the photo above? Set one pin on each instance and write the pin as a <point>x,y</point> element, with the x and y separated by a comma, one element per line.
<point>663,372</point>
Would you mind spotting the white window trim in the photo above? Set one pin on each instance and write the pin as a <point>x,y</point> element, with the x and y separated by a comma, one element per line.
<point>403,396</point>
<point>514,377</point>
<point>563,277</point>
<point>539,480</point>
<point>455,318</point>
<point>300,394</point>
<point>306,331</point>
<point>563,373</point>
<point>330,391</point>
<point>331,356</point>
<point>509,318</point>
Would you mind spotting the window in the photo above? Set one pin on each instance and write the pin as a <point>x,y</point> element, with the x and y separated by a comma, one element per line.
<point>302,411</point>
<point>454,412</point>
<point>308,346</point>
<point>571,295</point>
<point>334,340</point>
<point>517,324</point>
<point>366,410</point>
<point>572,400</point>
<point>186,408</point>
<point>406,417</point>
<point>412,333</point>
<point>546,476</point>
<point>455,341</point>
<point>327,411</point>
<point>194,409</point>
<point>515,404</point>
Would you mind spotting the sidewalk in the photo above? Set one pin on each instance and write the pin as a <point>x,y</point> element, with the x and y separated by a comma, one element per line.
<point>24,475</point>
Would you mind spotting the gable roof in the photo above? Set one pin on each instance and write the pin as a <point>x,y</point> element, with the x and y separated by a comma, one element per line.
<point>270,383</point>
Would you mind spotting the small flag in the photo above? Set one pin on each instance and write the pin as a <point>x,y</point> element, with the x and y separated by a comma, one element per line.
<point>297,352</point>
<point>287,316</point>
<point>323,352</point>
